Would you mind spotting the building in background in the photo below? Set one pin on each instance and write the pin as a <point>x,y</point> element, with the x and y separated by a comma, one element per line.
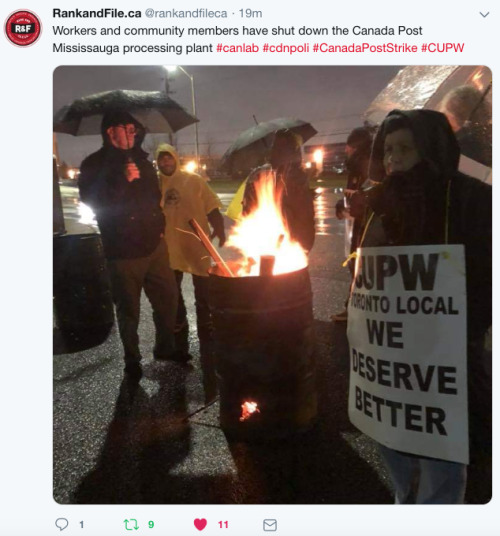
<point>333,158</point>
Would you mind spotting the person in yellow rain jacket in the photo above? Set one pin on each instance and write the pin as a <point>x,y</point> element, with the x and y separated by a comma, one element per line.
<point>235,208</point>
<point>185,196</point>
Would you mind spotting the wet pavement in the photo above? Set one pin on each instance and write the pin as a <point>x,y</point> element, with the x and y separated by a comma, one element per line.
<point>154,443</point>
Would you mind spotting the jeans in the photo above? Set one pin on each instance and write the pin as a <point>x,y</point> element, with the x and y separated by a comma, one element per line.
<point>154,275</point>
<point>204,326</point>
<point>418,480</point>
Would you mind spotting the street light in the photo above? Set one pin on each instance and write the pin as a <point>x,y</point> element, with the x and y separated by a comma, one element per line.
<point>173,69</point>
<point>318,159</point>
<point>190,166</point>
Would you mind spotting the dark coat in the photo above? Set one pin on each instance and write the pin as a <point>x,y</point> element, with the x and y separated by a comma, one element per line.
<point>357,168</point>
<point>129,215</point>
<point>357,174</point>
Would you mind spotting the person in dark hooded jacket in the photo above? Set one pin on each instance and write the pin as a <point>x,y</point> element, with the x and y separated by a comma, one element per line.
<point>120,185</point>
<point>357,150</point>
<point>423,199</point>
<point>297,202</point>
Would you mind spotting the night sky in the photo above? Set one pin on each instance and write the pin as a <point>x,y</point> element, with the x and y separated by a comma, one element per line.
<point>333,99</point>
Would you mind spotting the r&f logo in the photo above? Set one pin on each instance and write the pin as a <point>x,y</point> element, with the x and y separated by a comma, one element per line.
<point>22,28</point>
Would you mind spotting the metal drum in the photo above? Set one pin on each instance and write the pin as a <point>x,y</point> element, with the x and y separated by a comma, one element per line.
<point>82,295</point>
<point>264,351</point>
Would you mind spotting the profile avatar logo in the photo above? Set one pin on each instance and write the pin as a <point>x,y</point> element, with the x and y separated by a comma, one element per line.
<point>22,28</point>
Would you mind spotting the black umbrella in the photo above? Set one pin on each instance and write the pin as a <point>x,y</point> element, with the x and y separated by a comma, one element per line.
<point>250,148</point>
<point>157,112</point>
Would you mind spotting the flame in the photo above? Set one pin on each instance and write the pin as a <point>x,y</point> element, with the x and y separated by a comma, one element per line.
<point>264,232</point>
<point>248,409</point>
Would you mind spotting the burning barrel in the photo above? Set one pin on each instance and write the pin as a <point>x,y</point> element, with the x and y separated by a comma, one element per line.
<point>264,351</point>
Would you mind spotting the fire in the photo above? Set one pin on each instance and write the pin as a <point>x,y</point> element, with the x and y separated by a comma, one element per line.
<point>263,232</point>
<point>248,409</point>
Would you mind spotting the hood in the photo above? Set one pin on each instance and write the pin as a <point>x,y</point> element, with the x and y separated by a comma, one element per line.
<point>434,137</point>
<point>166,148</point>
<point>357,163</point>
<point>360,139</point>
<point>111,119</point>
<point>285,149</point>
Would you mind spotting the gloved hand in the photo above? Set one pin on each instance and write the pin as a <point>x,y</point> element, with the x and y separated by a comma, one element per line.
<point>221,235</point>
<point>217,222</point>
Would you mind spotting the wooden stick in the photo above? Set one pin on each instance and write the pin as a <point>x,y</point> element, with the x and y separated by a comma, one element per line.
<point>210,248</point>
<point>267,264</point>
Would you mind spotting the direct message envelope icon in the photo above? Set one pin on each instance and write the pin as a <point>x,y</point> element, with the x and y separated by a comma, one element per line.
<point>270,525</point>
<point>22,28</point>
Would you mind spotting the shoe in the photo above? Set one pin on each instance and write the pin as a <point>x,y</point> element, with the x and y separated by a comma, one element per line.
<point>178,356</point>
<point>133,371</point>
<point>340,317</point>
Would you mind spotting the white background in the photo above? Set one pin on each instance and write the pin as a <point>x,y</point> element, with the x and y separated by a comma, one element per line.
<point>27,507</point>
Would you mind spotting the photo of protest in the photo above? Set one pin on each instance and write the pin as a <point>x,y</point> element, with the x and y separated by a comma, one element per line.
<point>272,284</point>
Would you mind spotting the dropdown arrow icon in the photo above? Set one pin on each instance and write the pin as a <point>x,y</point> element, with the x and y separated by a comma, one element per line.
<point>484,14</point>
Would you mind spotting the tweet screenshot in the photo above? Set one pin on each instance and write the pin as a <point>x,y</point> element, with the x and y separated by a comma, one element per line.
<point>249,287</point>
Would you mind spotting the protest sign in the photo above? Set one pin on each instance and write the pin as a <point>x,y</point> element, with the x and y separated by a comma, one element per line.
<point>408,338</point>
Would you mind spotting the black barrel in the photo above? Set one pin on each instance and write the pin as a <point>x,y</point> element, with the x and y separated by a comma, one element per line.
<point>82,295</point>
<point>264,351</point>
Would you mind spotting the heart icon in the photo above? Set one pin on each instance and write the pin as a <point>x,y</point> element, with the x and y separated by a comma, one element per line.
<point>200,524</point>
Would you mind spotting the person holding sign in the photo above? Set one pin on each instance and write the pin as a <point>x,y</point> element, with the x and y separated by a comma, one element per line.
<point>420,307</point>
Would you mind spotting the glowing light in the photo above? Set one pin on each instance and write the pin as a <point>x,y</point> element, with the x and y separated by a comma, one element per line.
<point>72,172</point>
<point>248,409</point>
<point>87,215</point>
<point>318,156</point>
<point>190,166</point>
<point>320,211</point>
<point>170,68</point>
<point>264,232</point>
<point>308,165</point>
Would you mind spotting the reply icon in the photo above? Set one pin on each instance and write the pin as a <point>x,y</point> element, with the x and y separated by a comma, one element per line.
<point>62,523</point>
